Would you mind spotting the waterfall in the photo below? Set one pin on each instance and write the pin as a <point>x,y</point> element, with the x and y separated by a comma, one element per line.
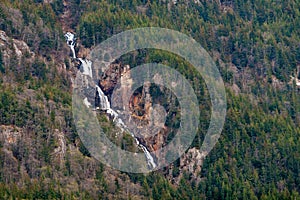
<point>86,67</point>
<point>104,103</point>
<point>86,102</point>
<point>71,41</point>
<point>150,159</point>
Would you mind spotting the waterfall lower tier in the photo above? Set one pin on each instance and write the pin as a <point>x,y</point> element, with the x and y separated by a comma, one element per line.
<point>150,159</point>
<point>105,105</point>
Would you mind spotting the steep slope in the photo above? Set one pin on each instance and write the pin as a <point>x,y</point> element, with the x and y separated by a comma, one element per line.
<point>256,45</point>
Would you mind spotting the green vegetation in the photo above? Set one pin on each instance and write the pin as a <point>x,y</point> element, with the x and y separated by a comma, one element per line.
<point>256,45</point>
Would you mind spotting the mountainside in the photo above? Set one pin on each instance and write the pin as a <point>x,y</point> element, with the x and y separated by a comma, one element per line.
<point>256,47</point>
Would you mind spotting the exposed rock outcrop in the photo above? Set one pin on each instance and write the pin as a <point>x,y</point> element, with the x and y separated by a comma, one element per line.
<point>60,150</point>
<point>190,163</point>
<point>12,47</point>
<point>10,134</point>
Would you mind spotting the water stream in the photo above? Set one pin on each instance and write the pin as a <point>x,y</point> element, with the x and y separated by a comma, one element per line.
<point>86,66</point>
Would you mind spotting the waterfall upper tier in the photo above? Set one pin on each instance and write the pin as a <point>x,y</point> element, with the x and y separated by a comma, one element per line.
<point>71,42</point>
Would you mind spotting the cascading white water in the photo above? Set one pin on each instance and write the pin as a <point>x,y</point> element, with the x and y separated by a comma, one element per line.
<point>87,103</point>
<point>150,159</point>
<point>86,67</point>
<point>105,105</point>
<point>71,41</point>
<point>104,102</point>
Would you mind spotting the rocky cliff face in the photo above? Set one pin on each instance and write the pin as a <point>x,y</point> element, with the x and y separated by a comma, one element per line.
<point>10,134</point>
<point>141,104</point>
<point>13,49</point>
<point>154,114</point>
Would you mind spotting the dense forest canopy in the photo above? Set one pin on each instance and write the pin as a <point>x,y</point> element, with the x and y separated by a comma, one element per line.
<point>256,46</point>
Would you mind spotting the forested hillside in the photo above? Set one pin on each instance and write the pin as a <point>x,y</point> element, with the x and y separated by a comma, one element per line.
<point>254,43</point>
